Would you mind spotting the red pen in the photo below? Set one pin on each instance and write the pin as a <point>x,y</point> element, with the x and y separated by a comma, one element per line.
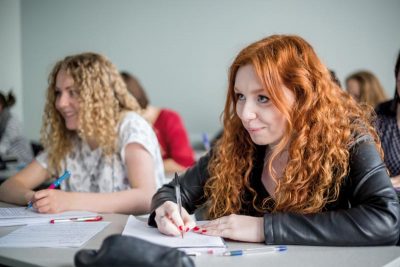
<point>82,219</point>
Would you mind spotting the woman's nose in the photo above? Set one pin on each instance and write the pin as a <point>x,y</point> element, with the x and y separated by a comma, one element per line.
<point>62,100</point>
<point>248,112</point>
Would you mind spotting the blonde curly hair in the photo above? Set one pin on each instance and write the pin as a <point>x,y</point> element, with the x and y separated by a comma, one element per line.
<point>321,126</point>
<point>103,98</point>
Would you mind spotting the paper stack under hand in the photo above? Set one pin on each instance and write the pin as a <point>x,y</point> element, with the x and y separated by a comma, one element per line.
<point>190,243</point>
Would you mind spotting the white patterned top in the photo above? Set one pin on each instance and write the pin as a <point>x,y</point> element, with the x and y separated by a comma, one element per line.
<point>90,172</point>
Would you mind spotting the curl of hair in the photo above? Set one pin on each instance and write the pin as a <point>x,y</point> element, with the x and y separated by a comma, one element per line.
<point>322,125</point>
<point>103,98</point>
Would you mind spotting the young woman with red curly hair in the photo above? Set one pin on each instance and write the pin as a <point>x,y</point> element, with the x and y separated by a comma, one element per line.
<point>299,162</point>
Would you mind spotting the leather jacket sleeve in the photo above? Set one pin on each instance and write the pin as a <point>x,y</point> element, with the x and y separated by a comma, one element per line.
<point>371,219</point>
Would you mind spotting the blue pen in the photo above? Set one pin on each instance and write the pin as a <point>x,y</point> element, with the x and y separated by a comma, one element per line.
<point>56,183</point>
<point>206,141</point>
<point>249,251</point>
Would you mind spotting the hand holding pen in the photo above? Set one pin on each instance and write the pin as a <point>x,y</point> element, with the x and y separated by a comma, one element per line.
<point>172,220</point>
<point>39,195</point>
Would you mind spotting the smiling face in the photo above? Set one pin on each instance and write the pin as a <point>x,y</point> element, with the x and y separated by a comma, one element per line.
<point>262,120</point>
<point>67,100</point>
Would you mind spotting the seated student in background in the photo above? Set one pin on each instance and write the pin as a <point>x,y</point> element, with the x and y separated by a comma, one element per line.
<point>388,124</point>
<point>176,150</point>
<point>365,87</point>
<point>91,128</point>
<point>298,163</point>
<point>12,141</point>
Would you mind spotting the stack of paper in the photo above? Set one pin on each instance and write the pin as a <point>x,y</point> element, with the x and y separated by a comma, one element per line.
<point>39,232</point>
<point>70,234</point>
<point>190,242</point>
<point>21,216</point>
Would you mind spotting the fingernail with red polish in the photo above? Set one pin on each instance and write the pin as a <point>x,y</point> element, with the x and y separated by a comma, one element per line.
<point>180,228</point>
<point>187,229</point>
<point>196,228</point>
<point>204,231</point>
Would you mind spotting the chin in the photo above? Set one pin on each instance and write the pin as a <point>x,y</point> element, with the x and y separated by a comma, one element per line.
<point>71,127</point>
<point>263,141</point>
<point>258,141</point>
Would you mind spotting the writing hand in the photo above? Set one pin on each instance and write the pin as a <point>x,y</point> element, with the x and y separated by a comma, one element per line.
<point>169,222</point>
<point>50,201</point>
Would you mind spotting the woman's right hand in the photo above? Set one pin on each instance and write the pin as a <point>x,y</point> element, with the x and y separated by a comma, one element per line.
<point>170,222</point>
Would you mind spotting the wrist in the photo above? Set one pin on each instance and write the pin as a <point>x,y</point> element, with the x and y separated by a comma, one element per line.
<point>261,233</point>
<point>28,196</point>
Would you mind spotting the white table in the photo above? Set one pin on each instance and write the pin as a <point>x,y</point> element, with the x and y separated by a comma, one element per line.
<point>294,256</point>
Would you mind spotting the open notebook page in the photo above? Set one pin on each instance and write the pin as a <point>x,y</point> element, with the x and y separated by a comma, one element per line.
<point>140,229</point>
<point>70,234</point>
<point>21,216</point>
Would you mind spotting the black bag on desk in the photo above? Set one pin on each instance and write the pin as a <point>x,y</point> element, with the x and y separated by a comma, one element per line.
<point>118,250</point>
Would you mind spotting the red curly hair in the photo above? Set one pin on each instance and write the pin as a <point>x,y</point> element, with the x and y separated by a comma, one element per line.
<point>322,125</point>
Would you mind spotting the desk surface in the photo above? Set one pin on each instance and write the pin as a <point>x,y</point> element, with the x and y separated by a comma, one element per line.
<point>294,256</point>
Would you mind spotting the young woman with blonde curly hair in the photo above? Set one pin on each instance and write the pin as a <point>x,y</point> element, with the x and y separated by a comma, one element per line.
<point>92,128</point>
<point>298,163</point>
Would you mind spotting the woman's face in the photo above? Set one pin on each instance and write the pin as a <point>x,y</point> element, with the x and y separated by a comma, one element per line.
<point>265,124</point>
<point>67,100</point>
<point>353,88</point>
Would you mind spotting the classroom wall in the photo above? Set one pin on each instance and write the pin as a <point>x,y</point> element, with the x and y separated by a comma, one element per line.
<point>10,52</point>
<point>181,50</point>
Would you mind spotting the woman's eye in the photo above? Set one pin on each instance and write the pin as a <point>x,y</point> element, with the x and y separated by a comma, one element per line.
<point>239,96</point>
<point>263,99</point>
<point>73,93</point>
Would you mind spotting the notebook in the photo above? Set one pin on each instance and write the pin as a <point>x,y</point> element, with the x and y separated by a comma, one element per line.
<point>22,216</point>
<point>140,229</point>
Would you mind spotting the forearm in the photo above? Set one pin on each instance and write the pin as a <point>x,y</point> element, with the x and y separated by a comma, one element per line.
<point>12,191</point>
<point>171,166</point>
<point>133,201</point>
<point>365,225</point>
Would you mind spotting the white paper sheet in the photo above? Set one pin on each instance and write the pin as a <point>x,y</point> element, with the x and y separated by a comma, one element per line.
<point>140,229</point>
<point>21,216</point>
<point>70,234</point>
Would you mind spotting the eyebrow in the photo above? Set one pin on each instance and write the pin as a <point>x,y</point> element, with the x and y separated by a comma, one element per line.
<point>258,91</point>
<point>68,88</point>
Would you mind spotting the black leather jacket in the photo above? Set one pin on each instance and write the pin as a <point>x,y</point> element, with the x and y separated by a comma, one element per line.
<point>366,213</point>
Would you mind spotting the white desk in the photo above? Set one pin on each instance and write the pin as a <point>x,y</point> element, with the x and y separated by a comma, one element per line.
<point>295,256</point>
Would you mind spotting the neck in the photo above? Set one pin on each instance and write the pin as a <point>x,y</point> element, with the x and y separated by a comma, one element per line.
<point>151,114</point>
<point>92,144</point>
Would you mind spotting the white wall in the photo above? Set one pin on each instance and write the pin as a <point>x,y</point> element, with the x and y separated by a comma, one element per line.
<point>181,49</point>
<point>10,52</point>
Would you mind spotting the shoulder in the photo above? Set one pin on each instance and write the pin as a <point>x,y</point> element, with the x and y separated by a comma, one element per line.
<point>132,119</point>
<point>168,120</point>
<point>131,116</point>
<point>169,114</point>
<point>385,108</point>
<point>364,154</point>
<point>134,124</point>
